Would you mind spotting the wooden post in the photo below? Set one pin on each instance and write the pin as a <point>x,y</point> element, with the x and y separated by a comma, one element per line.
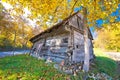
<point>71,42</point>
<point>43,45</point>
<point>86,45</point>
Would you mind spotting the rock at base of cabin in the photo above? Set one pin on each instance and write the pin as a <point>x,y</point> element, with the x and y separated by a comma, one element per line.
<point>41,58</point>
<point>34,55</point>
<point>48,60</point>
<point>68,71</point>
<point>99,76</point>
<point>57,66</point>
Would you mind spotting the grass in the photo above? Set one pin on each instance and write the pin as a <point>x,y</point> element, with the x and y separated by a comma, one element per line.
<point>25,67</point>
<point>28,68</point>
<point>104,64</point>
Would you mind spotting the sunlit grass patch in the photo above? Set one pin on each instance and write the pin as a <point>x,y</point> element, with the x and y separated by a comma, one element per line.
<point>26,67</point>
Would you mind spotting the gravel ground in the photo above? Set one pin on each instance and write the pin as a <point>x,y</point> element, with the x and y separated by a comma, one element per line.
<point>114,55</point>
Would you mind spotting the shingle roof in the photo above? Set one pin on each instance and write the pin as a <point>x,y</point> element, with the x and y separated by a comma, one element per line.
<point>57,25</point>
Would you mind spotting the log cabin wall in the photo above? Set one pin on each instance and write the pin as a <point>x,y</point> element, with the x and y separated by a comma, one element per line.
<point>58,44</point>
<point>55,47</point>
<point>78,39</point>
<point>78,52</point>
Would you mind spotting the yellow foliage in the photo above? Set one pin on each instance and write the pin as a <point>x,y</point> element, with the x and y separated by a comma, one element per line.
<point>62,8</point>
<point>109,37</point>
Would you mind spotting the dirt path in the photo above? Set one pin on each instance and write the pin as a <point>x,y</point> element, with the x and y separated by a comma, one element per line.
<point>115,56</point>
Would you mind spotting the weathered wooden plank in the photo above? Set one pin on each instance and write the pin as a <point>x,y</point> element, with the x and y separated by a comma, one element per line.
<point>73,22</point>
<point>78,55</point>
<point>78,38</point>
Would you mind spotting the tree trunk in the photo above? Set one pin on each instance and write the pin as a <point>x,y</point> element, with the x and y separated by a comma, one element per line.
<point>14,41</point>
<point>25,46</point>
<point>86,43</point>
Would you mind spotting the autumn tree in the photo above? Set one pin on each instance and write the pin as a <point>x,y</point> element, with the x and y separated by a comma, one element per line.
<point>14,30</point>
<point>52,10</point>
<point>5,41</point>
<point>108,37</point>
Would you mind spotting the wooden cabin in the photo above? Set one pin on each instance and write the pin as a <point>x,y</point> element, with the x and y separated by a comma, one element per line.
<point>63,41</point>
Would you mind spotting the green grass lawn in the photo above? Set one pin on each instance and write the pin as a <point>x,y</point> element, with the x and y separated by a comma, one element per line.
<point>28,68</point>
<point>25,67</point>
<point>104,64</point>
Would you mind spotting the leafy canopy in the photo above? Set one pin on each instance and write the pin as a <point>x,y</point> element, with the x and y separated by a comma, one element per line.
<point>59,9</point>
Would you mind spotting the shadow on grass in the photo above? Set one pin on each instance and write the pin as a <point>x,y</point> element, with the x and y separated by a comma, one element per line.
<point>105,65</point>
<point>118,69</point>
